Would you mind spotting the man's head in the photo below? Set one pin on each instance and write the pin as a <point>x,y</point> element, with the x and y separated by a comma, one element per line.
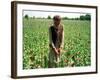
<point>57,20</point>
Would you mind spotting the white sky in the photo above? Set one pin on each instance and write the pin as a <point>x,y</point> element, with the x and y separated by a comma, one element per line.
<point>37,13</point>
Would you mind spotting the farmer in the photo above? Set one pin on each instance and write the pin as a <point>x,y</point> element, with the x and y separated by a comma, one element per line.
<point>56,42</point>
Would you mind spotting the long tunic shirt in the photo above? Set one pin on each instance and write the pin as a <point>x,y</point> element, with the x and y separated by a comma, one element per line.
<point>56,40</point>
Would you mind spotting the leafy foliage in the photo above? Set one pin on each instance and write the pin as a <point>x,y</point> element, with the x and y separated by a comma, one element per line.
<point>36,39</point>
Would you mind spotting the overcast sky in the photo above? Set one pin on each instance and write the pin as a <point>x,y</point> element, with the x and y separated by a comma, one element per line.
<point>42,14</point>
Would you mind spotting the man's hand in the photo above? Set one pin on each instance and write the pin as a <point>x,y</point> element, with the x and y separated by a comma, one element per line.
<point>56,51</point>
<point>59,50</point>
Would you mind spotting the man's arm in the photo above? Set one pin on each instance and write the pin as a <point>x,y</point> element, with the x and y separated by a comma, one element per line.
<point>62,43</point>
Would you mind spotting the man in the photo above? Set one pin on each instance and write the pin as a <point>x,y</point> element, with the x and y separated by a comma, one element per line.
<point>56,41</point>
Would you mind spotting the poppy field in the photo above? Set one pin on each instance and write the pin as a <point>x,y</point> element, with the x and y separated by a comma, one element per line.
<point>77,42</point>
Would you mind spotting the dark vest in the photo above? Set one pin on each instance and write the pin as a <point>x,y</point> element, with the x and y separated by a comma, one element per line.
<point>56,34</point>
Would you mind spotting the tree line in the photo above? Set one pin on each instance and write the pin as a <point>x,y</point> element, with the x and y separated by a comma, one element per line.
<point>81,17</point>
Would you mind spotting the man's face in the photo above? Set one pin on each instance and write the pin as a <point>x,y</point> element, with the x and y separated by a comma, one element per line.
<point>56,22</point>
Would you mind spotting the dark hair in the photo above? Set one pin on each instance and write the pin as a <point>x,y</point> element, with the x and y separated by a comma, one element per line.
<point>57,17</point>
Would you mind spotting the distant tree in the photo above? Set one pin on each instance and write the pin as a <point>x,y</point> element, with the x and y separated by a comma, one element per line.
<point>26,16</point>
<point>33,17</point>
<point>49,17</point>
<point>82,17</point>
<point>65,18</point>
<point>72,18</point>
<point>88,17</point>
<point>76,18</point>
